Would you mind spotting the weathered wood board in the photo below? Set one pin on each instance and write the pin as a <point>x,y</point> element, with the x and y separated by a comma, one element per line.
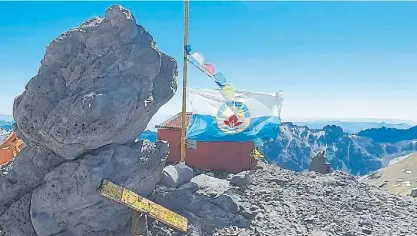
<point>139,203</point>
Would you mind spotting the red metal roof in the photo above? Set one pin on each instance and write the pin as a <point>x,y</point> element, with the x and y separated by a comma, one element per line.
<point>174,122</point>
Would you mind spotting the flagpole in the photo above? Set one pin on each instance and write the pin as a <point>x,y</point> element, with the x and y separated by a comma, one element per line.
<point>184,83</point>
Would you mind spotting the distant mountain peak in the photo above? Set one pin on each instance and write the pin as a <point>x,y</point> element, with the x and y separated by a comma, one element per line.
<point>295,146</point>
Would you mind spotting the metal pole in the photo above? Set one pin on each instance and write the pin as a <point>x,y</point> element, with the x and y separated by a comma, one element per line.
<point>184,84</point>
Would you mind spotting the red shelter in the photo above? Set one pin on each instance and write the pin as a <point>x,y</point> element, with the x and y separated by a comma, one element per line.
<point>228,156</point>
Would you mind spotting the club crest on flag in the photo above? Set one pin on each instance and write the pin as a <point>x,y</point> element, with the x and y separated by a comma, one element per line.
<point>233,117</point>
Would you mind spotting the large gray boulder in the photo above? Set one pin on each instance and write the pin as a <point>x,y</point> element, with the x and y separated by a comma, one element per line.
<point>96,90</point>
<point>28,172</point>
<point>98,84</point>
<point>69,201</point>
<point>16,220</point>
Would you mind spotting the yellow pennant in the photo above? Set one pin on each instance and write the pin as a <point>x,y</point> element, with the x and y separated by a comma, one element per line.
<point>256,154</point>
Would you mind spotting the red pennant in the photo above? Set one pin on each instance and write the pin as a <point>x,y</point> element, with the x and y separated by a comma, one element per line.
<point>210,68</point>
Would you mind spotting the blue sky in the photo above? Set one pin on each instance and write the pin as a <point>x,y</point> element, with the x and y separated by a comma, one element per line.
<point>330,59</point>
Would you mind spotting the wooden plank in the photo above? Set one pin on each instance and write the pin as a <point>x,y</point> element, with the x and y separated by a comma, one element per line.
<point>139,203</point>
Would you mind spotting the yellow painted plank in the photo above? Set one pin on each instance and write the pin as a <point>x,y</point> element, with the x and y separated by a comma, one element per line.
<point>139,203</point>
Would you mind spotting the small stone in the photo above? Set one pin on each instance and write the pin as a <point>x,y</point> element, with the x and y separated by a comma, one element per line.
<point>309,220</point>
<point>240,179</point>
<point>176,175</point>
<point>318,233</point>
<point>367,231</point>
<point>414,192</point>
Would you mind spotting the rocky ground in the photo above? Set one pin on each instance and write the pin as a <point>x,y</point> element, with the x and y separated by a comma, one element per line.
<point>281,202</point>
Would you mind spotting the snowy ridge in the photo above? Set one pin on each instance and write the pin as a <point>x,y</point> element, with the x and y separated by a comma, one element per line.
<point>295,145</point>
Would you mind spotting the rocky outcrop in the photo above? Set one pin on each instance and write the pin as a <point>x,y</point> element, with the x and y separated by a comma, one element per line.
<point>98,84</point>
<point>282,202</point>
<point>72,205</point>
<point>319,164</point>
<point>97,88</point>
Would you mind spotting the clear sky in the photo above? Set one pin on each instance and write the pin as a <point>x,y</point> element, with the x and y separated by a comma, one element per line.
<point>330,59</point>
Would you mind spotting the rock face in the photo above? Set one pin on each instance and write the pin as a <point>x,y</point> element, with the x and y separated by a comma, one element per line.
<point>282,202</point>
<point>98,84</point>
<point>97,88</point>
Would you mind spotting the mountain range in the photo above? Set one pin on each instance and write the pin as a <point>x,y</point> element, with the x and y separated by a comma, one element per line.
<point>389,134</point>
<point>358,154</point>
<point>353,127</point>
<point>355,154</point>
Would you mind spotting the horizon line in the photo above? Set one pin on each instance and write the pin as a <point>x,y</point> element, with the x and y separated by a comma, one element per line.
<point>317,119</point>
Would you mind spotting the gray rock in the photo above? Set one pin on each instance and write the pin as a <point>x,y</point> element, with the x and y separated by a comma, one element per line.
<point>96,89</point>
<point>413,192</point>
<point>297,204</point>
<point>318,163</point>
<point>16,220</point>
<point>318,233</point>
<point>28,172</point>
<point>69,202</point>
<point>210,186</point>
<point>176,175</point>
<point>204,213</point>
<point>240,179</point>
<point>98,84</point>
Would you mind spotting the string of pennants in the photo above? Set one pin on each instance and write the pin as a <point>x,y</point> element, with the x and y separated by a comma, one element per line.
<point>197,60</point>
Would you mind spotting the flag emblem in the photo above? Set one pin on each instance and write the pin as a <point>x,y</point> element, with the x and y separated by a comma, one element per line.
<point>233,117</point>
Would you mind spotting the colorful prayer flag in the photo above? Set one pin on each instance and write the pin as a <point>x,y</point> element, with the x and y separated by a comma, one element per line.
<point>187,49</point>
<point>210,68</point>
<point>219,77</point>
<point>197,60</point>
<point>198,57</point>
